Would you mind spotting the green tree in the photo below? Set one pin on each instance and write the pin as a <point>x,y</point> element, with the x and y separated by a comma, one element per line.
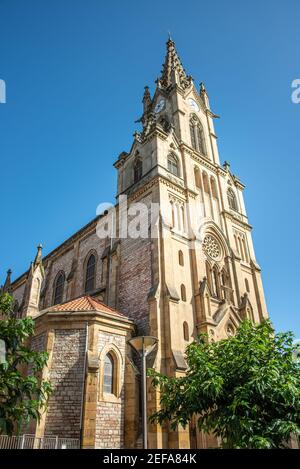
<point>22,397</point>
<point>245,389</point>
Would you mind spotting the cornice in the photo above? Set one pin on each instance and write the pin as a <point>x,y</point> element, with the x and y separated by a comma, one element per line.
<point>236,220</point>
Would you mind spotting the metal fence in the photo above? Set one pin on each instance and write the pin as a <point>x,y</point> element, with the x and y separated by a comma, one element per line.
<point>32,442</point>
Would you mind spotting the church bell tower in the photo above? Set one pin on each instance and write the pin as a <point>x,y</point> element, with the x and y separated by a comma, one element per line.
<point>203,274</point>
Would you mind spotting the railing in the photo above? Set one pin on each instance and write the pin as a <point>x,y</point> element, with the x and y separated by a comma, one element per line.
<point>33,442</point>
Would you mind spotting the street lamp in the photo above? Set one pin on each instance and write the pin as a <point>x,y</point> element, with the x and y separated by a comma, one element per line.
<point>2,351</point>
<point>144,345</point>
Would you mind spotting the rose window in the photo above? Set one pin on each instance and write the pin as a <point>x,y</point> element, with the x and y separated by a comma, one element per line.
<point>211,247</point>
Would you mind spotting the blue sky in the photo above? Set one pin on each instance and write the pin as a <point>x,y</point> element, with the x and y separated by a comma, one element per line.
<point>75,72</point>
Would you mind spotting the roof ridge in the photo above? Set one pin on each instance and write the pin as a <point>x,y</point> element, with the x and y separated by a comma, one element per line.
<point>93,303</point>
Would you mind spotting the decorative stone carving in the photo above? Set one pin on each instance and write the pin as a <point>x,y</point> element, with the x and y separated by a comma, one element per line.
<point>230,330</point>
<point>212,248</point>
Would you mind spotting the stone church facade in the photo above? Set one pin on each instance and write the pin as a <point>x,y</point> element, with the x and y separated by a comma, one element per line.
<point>197,274</point>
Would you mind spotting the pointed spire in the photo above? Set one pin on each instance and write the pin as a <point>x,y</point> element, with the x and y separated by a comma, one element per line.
<point>202,89</point>
<point>173,71</point>
<point>204,95</point>
<point>226,166</point>
<point>146,99</point>
<point>7,284</point>
<point>38,257</point>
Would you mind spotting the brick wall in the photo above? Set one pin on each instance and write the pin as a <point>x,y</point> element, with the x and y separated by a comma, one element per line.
<point>110,415</point>
<point>91,242</point>
<point>135,281</point>
<point>62,263</point>
<point>66,376</point>
<point>135,276</point>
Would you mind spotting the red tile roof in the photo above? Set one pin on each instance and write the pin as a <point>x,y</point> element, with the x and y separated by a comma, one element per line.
<point>85,303</point>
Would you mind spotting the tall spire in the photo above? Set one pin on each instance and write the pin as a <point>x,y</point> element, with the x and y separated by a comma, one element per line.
<point>7,284</point>
<point>173,71</point>
<point>38,257</point>
<point>147,99</point>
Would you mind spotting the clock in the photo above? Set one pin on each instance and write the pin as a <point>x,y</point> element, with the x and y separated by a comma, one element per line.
<point>193,104</point>
<point>159,106</point>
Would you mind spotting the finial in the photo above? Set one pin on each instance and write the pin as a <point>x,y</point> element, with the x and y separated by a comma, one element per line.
<point>202,87</point>
<point>38,257</point>
<point>226,165</point>
<point>7,283</point>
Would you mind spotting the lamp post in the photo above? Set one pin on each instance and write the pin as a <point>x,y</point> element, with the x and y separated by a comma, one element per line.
<point>144,345</point>
<point>2,351</point>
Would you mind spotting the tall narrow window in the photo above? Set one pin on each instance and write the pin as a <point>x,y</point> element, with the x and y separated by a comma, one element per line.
<point>193,135</point>
<point>245,250</point>
<point>90,275</point>
<point>138,170</point>
<point>216,282</point>
<point>186,335</point>
<point>180,258</point>
<point>183,293</point>
<point>200,138</point>
<point>59,289</point>
<point>197,177</point>
<point>173,213</point>
<point>247,285</point>
<point>182,218</point>
<point>205,183</point>
<point>236,244</point>
<point>214,188</point>
<point>241,249</point>
<point>173,165</point>
<point>208,276</point>
<point>197,135</point>
<point>108,378</point>
<point>232,202</point>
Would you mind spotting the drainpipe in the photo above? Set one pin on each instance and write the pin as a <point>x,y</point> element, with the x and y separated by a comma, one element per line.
<point>83,382</point>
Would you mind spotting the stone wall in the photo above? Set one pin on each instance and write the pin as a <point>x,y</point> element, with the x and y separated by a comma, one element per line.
<point>110,409</point>
<point>67,378</point>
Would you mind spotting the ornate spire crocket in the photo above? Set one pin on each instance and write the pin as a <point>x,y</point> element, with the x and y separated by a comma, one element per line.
<point>173,71</point>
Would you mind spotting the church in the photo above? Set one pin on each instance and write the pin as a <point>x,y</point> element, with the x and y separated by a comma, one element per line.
<point>198,273</point>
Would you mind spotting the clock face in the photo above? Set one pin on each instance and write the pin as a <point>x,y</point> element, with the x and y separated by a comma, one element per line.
<point>159,106</point>
<point>193,104</point>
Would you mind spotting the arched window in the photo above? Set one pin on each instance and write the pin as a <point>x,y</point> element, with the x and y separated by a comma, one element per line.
<point>245,250</point>
<point>186,335</point>
<point>197,177</point>
<point>137,170</point>
<point>208,276</point>
<point>173,213</point>
<point>200,138</point>
<point>205,183</point>
<point>183,293</point>
<point>214,188</point>
<point>197,135</point>
<point>247,285</point>
<point>182,213</point>
<point>232,202</point>
<point>236,244</point>
<point>173,165</point>
<point>90,274</point>
<point>241,249</point>
<point>193,135</point>
<point>108,378</point>
<point>215,281</point>
<point>59,288</point>
<point>180,258</point>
